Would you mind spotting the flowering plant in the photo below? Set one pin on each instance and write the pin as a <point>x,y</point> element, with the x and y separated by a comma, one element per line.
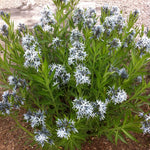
<point>76,75</point>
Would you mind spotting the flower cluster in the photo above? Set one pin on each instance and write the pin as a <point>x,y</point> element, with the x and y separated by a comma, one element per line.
<point>4,30</point>
<point>146,123</point>
<point>90,13</point>
<point>22,28</point>
<point>106,9</point>
<point>129,38</point>
<point>42,136</point>
<point>111,11</point>
<point>32,51</point>
<point>117,96</point>
<point>97,31</point>
<point>143,45</point>
<point>16,102</point>
<point>14,81</point>
<point>60,74</point>
<point>2,13</point>
<point>114,10</point>
<point>100,109</point>
<point>47,19</point>
<point>36,118</point>
<point>76,53</point>
<point>115,43</point>
<point>29,43</point>
<point>121,72</point>
<point>87,17</point>
<point>136,13</point>
<point>75,36</point>
<point>81,75</point>
<point>114,22</point>
<point>56,42</point>
<point>83,108</point>
<point>88,109</point>
<point>113,69</point>
<point>5,106</point>
<point>139,79</point>
<point>90,18</point>
<point>65,1</point>
<point>78,16</point>
<point>65,127</point>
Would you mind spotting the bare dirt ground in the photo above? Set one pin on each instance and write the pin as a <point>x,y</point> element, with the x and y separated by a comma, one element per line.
<point>27,11</point>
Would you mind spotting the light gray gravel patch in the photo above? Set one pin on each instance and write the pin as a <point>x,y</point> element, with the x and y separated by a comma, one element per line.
<point>28,11</point>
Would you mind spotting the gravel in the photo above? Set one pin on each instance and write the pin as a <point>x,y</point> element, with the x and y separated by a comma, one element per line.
<point>27,11</point>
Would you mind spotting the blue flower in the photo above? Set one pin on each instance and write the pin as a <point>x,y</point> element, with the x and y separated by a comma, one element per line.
<point>81,75</point>
<point>145,123</point>
<point>60,73</point>
<point>75,36</point>
<point>83,108</point>
<point>115,43</point>
<point>143,44</point>
<point>76,53</point>
<point>97,31</point>
<point>4,30</point>
<point>78,16</point>
<point>31,54</point>
<point>114,22</point>
<point>56,42</point>
<point>122,72</point>
<point>5,106</point>
<point>100,109</point>
<point>65,127</point>
<point>36,118</point>
<point>117,96</point>
<point>43,136</point>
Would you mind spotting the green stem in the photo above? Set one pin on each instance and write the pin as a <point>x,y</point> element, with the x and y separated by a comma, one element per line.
<point>24,129</point>
<point>48,88</point>
<point>93,70</point>
<point>51,95</point>
<point>79,91</point>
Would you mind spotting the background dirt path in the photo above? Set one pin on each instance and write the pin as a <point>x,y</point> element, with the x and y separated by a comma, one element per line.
<point>28,11</point>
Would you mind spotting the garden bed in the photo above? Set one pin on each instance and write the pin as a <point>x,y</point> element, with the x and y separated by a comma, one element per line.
<point>14,138</point>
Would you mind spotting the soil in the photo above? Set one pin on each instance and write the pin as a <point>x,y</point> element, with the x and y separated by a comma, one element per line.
<point>27,11</point>
<point>14,138</point>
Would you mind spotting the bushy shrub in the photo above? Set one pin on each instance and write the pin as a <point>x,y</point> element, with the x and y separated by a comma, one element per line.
<point>76,74</point>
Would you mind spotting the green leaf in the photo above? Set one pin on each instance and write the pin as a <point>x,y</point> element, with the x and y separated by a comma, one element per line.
<point>45,69</point>
<point>129,135</point>
<point>36,78</point>
<point>121,138</point>
<point>125,119</point>
<point>51,76</point>
<point>4,86</point>
<point>116,137</point>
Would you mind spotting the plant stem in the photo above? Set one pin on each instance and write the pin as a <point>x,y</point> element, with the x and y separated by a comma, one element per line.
<point>51,95</point>
<point>54,102</point>
<point>49,90</point>
<point>93,70</point>
<point>79,91</point>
